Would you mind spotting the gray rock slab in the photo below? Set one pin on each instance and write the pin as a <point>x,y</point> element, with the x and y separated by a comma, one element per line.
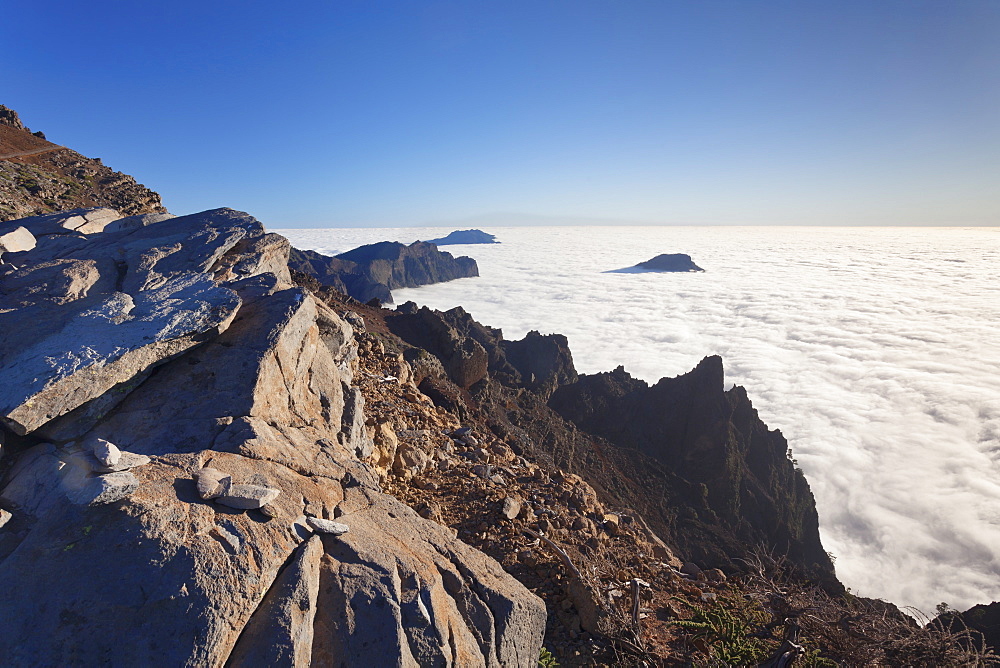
<point>103,489</point>
<point>159,290</point>
<point>56,281</point>
<point>280,632</point>
<point>78,354</point>
<point>34,480</point>
<point>17,240</point>
<point>248,497</point>
<point>320,525</point>
<point>212,483</point>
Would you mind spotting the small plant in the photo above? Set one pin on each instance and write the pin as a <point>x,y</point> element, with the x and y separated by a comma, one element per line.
<point>728,632</point>
<point>546,660</point>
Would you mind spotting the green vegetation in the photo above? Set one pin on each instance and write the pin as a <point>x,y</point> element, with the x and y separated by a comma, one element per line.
<point>546,660</point>
<point>727,629</point>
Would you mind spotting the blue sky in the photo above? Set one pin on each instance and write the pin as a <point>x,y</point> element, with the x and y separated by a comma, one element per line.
<point>357,113</point>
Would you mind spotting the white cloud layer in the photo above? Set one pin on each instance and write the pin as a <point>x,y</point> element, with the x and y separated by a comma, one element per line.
<point>876,351</point>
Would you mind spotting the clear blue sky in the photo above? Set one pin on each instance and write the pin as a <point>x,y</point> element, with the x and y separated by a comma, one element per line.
<point>360,112</point>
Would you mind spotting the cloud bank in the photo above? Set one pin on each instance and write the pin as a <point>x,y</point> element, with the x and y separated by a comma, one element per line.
<point>874,350</point>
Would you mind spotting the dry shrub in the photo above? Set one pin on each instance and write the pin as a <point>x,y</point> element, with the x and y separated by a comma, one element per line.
<point>858,632</point>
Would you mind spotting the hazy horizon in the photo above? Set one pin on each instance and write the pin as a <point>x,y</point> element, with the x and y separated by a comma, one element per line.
<point>501,220</point>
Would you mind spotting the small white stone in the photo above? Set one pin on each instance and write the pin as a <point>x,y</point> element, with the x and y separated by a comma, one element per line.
<point>107,453</point>
<point>327,526</point>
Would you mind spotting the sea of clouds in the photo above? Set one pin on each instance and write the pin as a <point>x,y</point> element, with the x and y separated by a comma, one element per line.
<point>876,351</point>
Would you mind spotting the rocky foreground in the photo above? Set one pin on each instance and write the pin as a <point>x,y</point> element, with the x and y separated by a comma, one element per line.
<point>211,454</point>
<point>184,476</point>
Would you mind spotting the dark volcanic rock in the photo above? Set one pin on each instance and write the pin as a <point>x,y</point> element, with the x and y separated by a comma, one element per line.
<point>465,237</point>
<point>714,440</point>
<point>985,619</point>
<point>373,271</point>
<point>468,350</point>
<point>678,262</point>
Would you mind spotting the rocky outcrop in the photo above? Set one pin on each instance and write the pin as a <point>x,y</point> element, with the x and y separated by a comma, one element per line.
<point>9,118</point>
<point>465,237</point>
<point>468,350</point>
<point>984,618</point>
<point>373,271</point>
<point>668,262</point>
<point>183,343</point>
<point>37,177</point>
<point>714,440</point>
<point>694,460</point>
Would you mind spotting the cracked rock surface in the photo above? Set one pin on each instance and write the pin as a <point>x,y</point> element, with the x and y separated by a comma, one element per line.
<point>183,341</point>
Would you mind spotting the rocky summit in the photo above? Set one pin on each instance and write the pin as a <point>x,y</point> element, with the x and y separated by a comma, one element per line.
<point>667,262</point>
<point>181,427</point>
<point>465,237</point>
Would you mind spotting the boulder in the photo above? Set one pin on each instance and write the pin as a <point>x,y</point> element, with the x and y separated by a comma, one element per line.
<point>511,507</point>
<point>212,483</point>
<point>150,294</point>
<point>264,399</point>
<point>32,484</point>
<point>76,221</point>
<point>247,497</point>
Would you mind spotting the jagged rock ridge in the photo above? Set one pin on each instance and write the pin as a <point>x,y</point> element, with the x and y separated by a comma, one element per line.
<point>373,271</point>
<point>694,460</point>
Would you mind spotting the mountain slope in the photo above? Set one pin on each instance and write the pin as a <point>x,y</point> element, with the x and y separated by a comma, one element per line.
<point>37,176</point>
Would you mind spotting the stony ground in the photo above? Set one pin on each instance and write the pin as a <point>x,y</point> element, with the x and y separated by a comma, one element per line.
<point>522,515</point>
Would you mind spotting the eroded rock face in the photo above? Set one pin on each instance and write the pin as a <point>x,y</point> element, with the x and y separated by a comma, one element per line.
<point>373,271</point>
<point>259,389</point>
<point>713,438</point>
